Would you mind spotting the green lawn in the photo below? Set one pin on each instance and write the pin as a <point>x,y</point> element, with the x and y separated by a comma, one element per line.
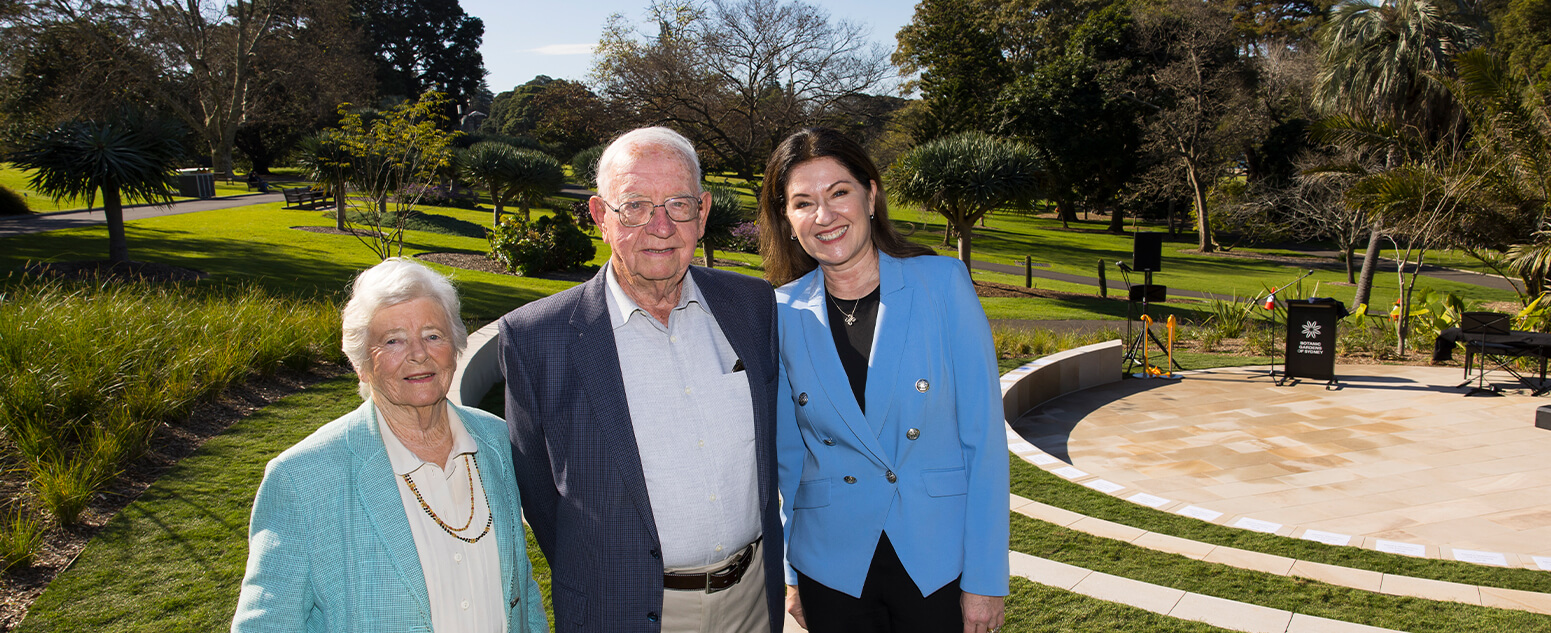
<point>16,180</point>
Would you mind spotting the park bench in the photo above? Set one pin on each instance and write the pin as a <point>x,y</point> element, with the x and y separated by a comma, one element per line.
<point>302,196</point>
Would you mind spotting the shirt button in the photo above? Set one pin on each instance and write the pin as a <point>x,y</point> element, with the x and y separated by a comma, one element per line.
<point>718,548</point>
<point>891,476</point>
<point>701,444</point>
<point>687,390</point>
<point>458,557</point>
<point>673,339</point>
<point>465,604</point>
<point>713,497</point>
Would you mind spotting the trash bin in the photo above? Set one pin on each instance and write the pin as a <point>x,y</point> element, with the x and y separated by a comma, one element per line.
<point>195,183</point>
<point>1311,338</point>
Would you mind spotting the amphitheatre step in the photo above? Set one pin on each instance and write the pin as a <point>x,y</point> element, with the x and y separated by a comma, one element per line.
<point>1361,579</point>
<point>1175,603</point>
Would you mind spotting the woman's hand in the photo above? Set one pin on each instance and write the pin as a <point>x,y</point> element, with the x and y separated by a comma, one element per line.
<point>982,614</point>
<point>794,606</point>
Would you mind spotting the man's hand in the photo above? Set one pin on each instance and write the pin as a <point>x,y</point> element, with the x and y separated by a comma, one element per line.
<point>794,606</point>
<point>982,614</point>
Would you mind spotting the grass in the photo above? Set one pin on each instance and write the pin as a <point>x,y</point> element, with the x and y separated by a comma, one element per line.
<point>1297,595</point>
<point>1036,608</point>
<point>1034,483</point>
<point>88,371</point>
<point>17,180</point>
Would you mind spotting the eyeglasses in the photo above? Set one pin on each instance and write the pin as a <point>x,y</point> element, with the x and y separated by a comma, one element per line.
<point>634,213</point>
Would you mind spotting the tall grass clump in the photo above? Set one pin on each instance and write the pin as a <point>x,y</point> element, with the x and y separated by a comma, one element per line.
<point>1229,318</point>
<point>89,370</point>
<point>1018,343</point>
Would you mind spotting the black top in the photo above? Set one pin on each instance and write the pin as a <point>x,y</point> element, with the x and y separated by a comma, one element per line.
<point>854,340</point>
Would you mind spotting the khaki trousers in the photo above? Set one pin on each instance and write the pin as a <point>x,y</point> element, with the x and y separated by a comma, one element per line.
<point>736,609</point>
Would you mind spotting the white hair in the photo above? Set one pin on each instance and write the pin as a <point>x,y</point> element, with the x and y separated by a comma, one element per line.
<point>396,280</point>
<point>660,138</point>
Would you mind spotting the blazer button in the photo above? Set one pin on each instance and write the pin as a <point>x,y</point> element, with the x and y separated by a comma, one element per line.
<point>829,442</point>
<point>912,434</point>
<point>850,479</point>
<point>651,616</point>
<point>891,476</point>
<point>922,385</point>
<point>802,399</point>
<point>655,553</point>
<point>514,601</point>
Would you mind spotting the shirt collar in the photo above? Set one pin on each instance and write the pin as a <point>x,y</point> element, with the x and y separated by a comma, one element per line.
<point>622,307</point>
<point>405,461</point>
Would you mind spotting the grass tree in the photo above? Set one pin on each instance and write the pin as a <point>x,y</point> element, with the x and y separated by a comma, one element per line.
<point>965,176</point>
<point>130,156</point>
<point>327,162</point>
<point>535,176</point>
<point>492,166</point>
<point>726,212</point>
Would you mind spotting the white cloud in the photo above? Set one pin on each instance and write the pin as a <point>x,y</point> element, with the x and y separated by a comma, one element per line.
<point>564,49</point>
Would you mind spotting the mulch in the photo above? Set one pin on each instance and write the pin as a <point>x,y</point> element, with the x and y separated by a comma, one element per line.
<point>103,269</point>
<point>171,443</point>
<point>330,230</point>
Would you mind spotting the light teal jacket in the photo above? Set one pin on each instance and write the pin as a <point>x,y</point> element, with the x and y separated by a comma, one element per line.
<point>928,460</point>
<point>329,546</point>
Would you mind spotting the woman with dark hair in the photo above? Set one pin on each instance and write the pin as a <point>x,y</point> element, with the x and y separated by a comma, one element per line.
<point>894,490</point>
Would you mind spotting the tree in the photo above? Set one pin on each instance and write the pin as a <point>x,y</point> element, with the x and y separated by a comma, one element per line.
<point>736,77</point>
<point>955,48</point>
<point>425,45</point>
<point>324,158</point>
<point>536,176</point>
<point>512,174</point>
<point>1072,109</point>
<point>562,114</point>
<point>726,212</point>
<point>1198,91</point>
<point>396,157</point>
<point>130,156</point>
<point>1379,61</point>
<point>1525,36</point>
<point>965,176</point>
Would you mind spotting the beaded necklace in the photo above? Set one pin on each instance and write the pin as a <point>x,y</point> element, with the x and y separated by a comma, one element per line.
<point>453,532</point>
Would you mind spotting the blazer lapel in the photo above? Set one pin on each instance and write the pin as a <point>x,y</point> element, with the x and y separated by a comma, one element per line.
<point>594,353</point>
<point>377,488</point>
<point>889,343</point>
<point>832,378</point>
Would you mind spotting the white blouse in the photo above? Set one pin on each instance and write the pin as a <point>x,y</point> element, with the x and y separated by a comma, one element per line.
<point>463,579</point>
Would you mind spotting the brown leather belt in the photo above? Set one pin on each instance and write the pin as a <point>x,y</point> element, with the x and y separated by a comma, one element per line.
<point>716,579</point>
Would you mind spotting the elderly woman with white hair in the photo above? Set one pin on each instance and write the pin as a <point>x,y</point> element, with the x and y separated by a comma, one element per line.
<point>403,514</point>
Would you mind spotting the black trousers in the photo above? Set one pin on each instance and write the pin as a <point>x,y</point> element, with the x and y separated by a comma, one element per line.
<point>890,603</point>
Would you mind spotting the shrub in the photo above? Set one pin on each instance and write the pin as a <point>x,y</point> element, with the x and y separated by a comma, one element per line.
<point>1016,343</point>
<point>21,534</point>
<point>551,243</point>
<point>12,203</point>
<point>440,196</point>
<point>744,238</point>
<point>1229,318</point>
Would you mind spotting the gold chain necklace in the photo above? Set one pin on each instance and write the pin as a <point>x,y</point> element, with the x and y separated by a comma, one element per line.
<point>850,319</point>
<point>489,518</point>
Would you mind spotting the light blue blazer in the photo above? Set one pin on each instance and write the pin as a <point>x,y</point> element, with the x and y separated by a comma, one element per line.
<point>329,546</point>
<point>934,421</point>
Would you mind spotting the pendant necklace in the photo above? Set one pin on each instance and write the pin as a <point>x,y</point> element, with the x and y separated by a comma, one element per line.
<point>850,319</point>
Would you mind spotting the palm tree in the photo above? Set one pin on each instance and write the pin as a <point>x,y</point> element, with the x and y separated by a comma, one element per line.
<point>327,162</point>
<point>130,156</point>
<point>965,176</point>
<point>727,211</point>
<point>535,177</point>
<point>492,166</point>
<point>1380,61</point>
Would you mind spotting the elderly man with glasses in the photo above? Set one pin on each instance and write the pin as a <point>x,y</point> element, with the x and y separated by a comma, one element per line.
<point>641,406</point>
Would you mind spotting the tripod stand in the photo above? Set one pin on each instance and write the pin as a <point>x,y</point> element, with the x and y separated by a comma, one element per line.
<point>1139,342</point>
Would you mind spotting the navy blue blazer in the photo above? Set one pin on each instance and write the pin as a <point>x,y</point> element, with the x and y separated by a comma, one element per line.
<point>577,464</point>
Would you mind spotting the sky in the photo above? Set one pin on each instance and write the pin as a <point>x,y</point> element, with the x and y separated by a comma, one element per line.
<point>527,38</point>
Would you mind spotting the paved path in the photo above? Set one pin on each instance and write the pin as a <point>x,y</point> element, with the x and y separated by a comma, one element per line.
<point>38,223</point>
<point>1396,458</point>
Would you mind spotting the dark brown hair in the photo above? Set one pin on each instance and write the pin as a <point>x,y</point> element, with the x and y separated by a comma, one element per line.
<point>784,258</point>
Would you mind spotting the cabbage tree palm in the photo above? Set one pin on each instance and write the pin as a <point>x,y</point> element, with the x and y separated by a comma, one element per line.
<point>127,157</point>
<point>1380,61</point>
<point>535,177</point>
<point>726,212</point>
<point>491,166</point>
<point>327,162</point>
<point>965,176</point>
